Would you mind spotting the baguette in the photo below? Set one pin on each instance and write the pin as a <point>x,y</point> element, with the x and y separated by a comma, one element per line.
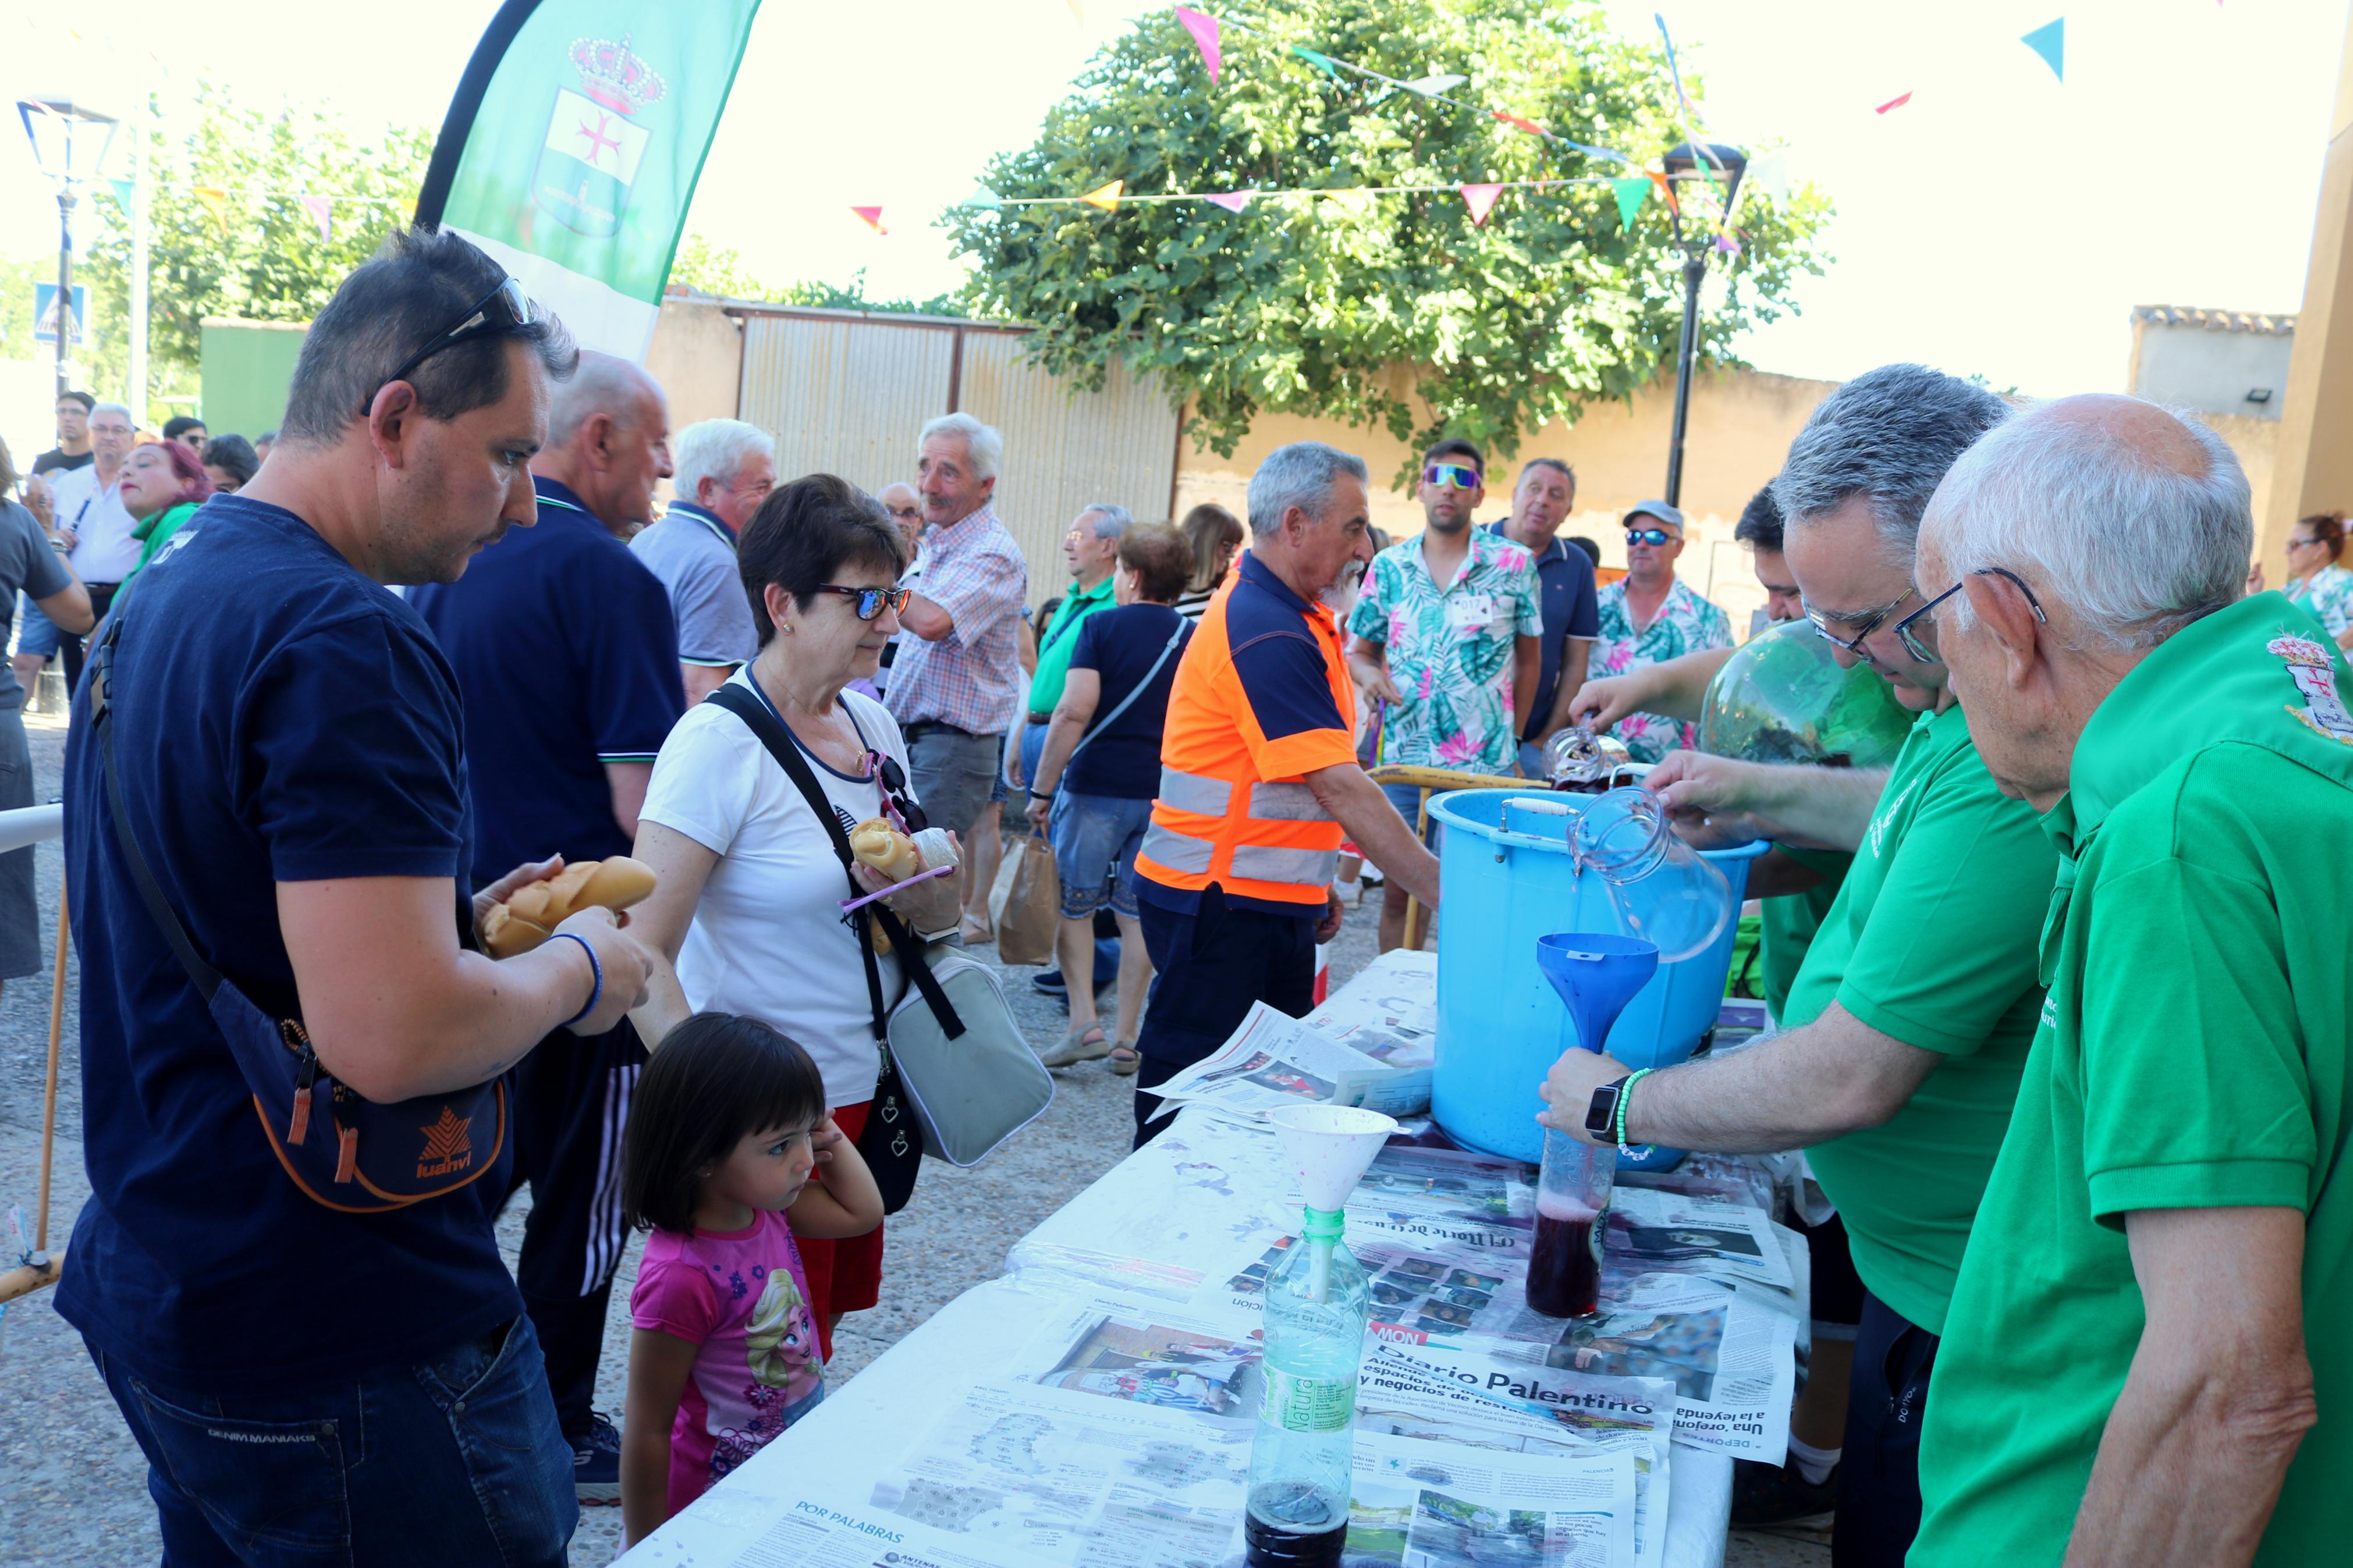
<point>531,916</point>
<point>879,845</point>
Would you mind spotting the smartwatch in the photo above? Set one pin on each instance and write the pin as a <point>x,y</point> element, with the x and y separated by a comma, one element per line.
<point>1601,1115</point>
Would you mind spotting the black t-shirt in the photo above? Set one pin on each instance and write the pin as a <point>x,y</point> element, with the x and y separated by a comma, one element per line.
<point>567,650</point>
<point>1122,759</point>
<point>278,718</point>
<point>62,463</point>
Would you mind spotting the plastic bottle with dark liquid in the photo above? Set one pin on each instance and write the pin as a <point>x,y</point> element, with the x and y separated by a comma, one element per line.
<point>1270,1545</point>
<point>1572,1210</point>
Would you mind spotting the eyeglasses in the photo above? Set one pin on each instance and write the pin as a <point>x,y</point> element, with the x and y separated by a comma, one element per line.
<point>2295,543</point>
<point>515,310</point>
<point>905,513</point>
<point>1908,629</point>
<point>1460,476</point>
<point>1868,625</point>
<point>871,602</point>
<point>1651,536</point>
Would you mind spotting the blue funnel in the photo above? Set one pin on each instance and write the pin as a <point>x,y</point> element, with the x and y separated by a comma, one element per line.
<point>1597,974</point>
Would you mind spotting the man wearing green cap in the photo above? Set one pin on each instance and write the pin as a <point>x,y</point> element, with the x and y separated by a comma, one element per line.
<point>2125,1376</point>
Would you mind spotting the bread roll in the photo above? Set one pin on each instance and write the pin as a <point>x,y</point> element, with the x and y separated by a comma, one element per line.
<point>532,914</point>
<point>879,845</point>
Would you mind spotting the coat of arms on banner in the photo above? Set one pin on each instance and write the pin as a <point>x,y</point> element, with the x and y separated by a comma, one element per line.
<point>593,143</point>
<point>2315,676</point>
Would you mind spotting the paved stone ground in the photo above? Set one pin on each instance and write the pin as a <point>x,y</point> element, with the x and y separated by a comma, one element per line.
<point>72,1485</point>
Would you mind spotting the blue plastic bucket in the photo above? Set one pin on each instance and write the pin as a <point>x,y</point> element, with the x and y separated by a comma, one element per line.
<point>1501,1025</point>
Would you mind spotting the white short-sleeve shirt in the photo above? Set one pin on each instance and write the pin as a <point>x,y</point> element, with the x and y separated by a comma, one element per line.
<point>767,939</point>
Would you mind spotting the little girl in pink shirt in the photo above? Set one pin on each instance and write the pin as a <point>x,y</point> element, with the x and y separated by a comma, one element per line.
<point>727,1127</point>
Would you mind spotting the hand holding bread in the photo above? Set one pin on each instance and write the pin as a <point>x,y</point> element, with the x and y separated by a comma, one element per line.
<point>530,914</point>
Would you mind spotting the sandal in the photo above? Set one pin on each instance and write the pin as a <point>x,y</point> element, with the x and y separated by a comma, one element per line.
<point>973,931</point>
<point>1077,1047</point>
<point>1125,1058</point>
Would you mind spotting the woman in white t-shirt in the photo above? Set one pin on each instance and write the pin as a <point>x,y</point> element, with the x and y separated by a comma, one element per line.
<point>746,917</point>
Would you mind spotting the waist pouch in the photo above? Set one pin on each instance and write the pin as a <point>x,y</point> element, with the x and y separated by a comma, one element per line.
<point>343,1150</point>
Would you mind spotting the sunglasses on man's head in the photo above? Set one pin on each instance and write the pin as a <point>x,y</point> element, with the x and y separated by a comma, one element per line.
<point>871,602</point>
<point>1650,536</point>
<point>505,309</point>
<point>1461,475</point>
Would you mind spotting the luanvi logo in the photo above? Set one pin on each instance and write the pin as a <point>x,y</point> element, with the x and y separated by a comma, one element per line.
<point>448,1149</point>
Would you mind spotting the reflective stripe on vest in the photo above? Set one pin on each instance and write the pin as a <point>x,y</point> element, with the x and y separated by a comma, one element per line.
<point>1308,867</point>
<point>1177,851</point>
<point>1190,792</point>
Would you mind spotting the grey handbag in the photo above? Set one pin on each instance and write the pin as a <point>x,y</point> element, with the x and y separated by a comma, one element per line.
<point>972,1092</point>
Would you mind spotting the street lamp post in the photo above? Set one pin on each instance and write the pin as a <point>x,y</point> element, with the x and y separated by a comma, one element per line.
<point>58,128</point>
<point>1727,162</point>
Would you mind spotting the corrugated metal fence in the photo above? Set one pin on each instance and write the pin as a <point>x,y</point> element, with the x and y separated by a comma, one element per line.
<point>844,392</point>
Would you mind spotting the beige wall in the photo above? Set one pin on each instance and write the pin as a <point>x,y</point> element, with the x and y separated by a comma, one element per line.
<point>2315,441</point>
<point>1741,424</point>
<point>697,354</point>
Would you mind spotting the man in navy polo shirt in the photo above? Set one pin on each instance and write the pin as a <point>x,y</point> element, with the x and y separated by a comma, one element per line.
<point>1565,597</point>
<point>725,470</point>
<point>567,656</point>
<point>307,1382</point>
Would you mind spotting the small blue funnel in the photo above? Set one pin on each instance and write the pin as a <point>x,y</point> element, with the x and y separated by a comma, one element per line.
<point>1597,974</point>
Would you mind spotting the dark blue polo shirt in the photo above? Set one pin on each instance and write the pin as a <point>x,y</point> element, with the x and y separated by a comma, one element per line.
<point>278,718</point>
<point>1572,607</point>
<point>566,653</point>
<point>1122,759</point>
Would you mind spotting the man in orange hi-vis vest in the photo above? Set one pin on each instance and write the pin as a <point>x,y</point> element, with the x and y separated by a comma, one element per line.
<point>1258,778</point>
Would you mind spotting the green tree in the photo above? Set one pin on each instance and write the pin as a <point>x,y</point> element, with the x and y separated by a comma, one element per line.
<point>703,266</point>
<point>259,254</point>
<point>1309,305</point>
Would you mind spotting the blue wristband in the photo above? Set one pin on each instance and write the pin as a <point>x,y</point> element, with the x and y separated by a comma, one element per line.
<point>596,993</point>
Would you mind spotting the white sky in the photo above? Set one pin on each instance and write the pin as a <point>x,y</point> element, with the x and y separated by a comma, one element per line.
<point>2000,222</point>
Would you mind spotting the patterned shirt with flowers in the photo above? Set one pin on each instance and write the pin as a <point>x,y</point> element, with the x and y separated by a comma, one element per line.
<point>2328,594</point>
<point>1449,651</point>
<point>1685,623</point>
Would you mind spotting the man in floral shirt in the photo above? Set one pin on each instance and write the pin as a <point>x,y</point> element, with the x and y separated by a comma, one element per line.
<point>1449,639</point>
<point>1650,615</point>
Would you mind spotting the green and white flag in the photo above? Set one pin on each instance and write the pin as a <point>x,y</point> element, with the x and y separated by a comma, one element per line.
<point>573,148</point>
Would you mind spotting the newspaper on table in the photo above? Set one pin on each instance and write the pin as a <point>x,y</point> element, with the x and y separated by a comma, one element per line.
<point>1654,1230</point>
<point>1275,1059</point>
<point>1435,1505</point>
<point>1389,1012</point>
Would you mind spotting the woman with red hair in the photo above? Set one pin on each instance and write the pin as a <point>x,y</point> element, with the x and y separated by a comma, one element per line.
<point>163,484</point>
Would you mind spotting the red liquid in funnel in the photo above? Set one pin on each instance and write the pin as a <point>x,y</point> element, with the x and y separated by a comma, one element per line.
<point>1565,1262</point>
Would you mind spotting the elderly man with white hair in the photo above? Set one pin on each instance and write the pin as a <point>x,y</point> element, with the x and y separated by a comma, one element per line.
<point>2127,1376</point>
<point>956,685</point>
<point>725,469</point>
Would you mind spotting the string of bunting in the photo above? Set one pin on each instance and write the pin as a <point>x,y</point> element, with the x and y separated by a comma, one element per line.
<point>216,198</point>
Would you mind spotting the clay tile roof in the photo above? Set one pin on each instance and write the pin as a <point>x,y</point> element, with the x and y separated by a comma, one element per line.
<point>2215,320</point>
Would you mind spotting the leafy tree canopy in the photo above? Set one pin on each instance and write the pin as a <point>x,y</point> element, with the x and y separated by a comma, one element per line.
<point>705,266</point>
<point>1307,305</point>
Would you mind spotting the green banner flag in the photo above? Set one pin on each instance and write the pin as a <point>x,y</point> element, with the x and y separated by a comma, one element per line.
<point>1632,195</point>
<point>578,150</point>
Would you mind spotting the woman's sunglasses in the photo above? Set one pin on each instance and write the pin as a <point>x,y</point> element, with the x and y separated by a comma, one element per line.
<point>1454,474</point>
<point>1650,536</point>
<point>873,602</point>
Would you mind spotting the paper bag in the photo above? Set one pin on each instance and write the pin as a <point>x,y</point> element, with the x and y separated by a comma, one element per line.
<point>1026,904</point>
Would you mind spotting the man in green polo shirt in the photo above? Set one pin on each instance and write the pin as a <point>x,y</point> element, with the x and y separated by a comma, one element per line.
<point>1908,1023</point>
<point>1092,547</point>
<point>2127,1374</point>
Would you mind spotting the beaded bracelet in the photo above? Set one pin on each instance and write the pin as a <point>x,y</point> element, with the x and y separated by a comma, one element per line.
<point>597,992</point>
<point>1626,1098</point>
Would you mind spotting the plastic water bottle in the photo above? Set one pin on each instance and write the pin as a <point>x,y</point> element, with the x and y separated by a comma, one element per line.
<point>1317,1305</point>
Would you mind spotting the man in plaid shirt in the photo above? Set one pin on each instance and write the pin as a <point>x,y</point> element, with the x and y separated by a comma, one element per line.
<point>956,684</point>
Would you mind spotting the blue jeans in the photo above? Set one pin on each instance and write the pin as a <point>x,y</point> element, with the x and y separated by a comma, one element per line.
<point>1406,798</point>
<point>36,633</point>
<point>457,1462</point>
<point>1095,837</point>
<point>1033,748</point>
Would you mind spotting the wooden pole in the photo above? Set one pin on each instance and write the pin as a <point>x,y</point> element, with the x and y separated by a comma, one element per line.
<point>50,1097</point>
<point>1412,904</point>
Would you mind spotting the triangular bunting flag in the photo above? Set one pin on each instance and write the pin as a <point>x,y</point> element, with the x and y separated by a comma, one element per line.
<point>1665,190</point>
<point>1323,63</point>
<point>1727,246</point>
<point>322,210</point>
<point>1232,201</point>
<point>1204,29</point>
<point>1481,200</point>
<point>1631,193</point>
<point>1896,103</point>
<point>2049,41</point>
<point>214,197</point>
<point>122,193</point>
<point>1770,174</point>
<point>1530,126</point>
<point>982,196</point>
<point>1105,197</point>
<point>1431,86</point>
<point>873,218</point>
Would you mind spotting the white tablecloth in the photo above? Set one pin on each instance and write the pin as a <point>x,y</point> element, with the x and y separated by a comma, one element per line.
<point>1154,1226</point>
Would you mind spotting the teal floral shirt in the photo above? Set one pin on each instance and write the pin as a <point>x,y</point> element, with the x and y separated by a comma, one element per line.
<point>2328,594</point>
<point>1450,652</point>
<point>1685,623</point>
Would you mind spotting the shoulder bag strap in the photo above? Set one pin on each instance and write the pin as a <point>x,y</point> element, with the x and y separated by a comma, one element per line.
<point>1108,720</point>
<point>99,689</point>
<point>771,733</point>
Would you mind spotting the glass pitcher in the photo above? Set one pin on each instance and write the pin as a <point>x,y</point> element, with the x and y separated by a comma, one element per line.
<point>1662,889</point>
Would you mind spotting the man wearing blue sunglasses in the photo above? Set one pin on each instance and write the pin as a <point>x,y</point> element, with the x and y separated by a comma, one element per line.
<point>1648,616</point>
